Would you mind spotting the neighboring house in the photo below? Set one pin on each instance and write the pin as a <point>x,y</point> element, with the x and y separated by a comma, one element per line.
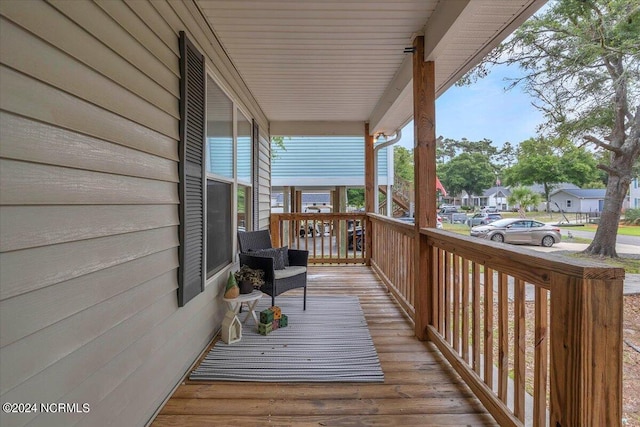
<point>496,196</point>
<point>634,194</point>
<point>324,164</point>
<point>539,188</point>
<point>578,200</point>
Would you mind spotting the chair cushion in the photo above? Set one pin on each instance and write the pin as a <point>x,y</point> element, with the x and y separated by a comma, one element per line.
<point>276,254</point>
<point>285,255</point>
<point>294,270</point>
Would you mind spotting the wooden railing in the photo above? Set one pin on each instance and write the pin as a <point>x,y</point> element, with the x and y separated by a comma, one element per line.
<point>330,238</point>
<point>537,337</point>
<point>392,257</point>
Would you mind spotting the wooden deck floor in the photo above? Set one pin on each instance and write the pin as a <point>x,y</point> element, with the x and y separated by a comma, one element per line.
<point>420,388</point>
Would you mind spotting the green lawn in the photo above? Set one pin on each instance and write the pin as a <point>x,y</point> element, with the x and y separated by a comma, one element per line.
<point>625,230</point>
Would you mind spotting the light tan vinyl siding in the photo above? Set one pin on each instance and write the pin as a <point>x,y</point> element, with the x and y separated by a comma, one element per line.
<point>89,207</point>
<point>264,186</point>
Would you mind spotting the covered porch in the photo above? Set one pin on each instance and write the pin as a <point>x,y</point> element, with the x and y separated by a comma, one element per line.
<point>119,229</point>
<point>468,332</point>
<point>420,387</point>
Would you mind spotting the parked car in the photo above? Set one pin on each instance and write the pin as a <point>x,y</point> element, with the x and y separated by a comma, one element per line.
<point>410,220</point>
<point>483,219</point>
<point>358,240</point>
<point>519,231</point>
<point>489,209</point>
<point>448,210</point>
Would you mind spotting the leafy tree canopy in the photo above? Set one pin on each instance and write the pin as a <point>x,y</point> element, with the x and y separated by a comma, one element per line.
<point>549,162</point>
<point>580,60</point>
<point>403,162</point>
<point>355,197</point>
<point>469,172</point>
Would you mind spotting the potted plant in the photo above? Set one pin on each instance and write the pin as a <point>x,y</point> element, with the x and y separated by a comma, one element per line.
<point>249,279</point>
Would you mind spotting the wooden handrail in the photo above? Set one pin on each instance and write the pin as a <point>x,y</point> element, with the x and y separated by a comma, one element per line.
<point>330,238</point>
<point>490,307</point>
<point>585,333</point>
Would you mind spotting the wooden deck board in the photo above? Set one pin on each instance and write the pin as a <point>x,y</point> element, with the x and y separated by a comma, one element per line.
<point>420,388</point>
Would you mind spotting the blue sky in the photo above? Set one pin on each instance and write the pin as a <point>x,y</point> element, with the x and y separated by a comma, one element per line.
<point>484,110</point>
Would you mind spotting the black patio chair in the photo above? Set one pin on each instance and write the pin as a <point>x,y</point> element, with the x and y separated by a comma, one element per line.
<point>257,252</point>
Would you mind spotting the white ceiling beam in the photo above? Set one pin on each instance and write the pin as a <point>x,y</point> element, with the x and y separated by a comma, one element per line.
<point>443,24</point>
<point>392,106</point>
<point>392,97</point>
<point>320,128</point>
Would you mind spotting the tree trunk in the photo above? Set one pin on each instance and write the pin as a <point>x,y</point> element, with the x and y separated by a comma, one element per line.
<point>604,242</point>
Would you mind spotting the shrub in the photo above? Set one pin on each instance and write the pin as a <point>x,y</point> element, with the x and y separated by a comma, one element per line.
<point>631,216</point>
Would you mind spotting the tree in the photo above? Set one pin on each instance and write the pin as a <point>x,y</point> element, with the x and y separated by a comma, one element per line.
<point>524,198</point>
<point>469,172</point>
<point>355,197</point>
<point>581,61</point>
<point>403,162</point>
<point>445,150</point>
<point>549,161</point>
<point>507,155</point>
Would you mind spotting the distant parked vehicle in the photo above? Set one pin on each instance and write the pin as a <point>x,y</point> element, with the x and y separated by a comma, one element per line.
<point>410,220</point>
<point>483,219</point>
<point>448,210</point>
<point>519,231</point>
<point>489,209</point>
<point>358,239</point>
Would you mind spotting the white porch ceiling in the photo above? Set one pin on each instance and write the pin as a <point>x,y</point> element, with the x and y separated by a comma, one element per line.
<point>327,66</point>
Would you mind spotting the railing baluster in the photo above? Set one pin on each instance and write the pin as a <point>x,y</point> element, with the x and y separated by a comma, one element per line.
<point>465,309</point>
<point>503,336</point>
<point>456,303</point>
<point>519,356</point>
<point>441,291</point>
<point>476,317</point>
<point>447,296</point>
<point>541,367</point>
<point>488,326</point>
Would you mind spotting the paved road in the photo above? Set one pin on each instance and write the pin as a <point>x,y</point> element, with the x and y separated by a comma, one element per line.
<point>631,281</point>
<point>625,240</point>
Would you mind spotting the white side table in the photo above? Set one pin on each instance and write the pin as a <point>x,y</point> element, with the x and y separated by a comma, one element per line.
<point>251,300</point>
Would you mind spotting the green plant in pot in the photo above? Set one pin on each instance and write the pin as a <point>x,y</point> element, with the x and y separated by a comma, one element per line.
<point>249,279</point>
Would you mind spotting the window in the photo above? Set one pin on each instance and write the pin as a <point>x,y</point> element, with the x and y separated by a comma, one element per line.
<point>219,178</point>
<point>219,229</point>
<point>215,169</point>
<point>568,204</point>
<point>244,208</point>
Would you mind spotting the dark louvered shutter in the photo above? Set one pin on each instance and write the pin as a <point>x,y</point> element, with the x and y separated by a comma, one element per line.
<point>255,159</point>
<point>191,273</point>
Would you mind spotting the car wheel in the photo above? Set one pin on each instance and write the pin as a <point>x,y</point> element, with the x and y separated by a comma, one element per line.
<point>548,241</point>
<point>497,238</point>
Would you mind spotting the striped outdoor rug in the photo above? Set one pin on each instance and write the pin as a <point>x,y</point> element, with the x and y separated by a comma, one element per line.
<point>329,342</point>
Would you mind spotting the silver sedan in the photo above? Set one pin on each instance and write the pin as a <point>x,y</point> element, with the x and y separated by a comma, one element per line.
<point>520,231</point>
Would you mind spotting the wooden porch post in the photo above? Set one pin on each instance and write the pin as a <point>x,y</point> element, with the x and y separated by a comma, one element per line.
<point>369,195</point>
<point>586,351</point>
<point>424,153</point>
<point>369,189</point>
